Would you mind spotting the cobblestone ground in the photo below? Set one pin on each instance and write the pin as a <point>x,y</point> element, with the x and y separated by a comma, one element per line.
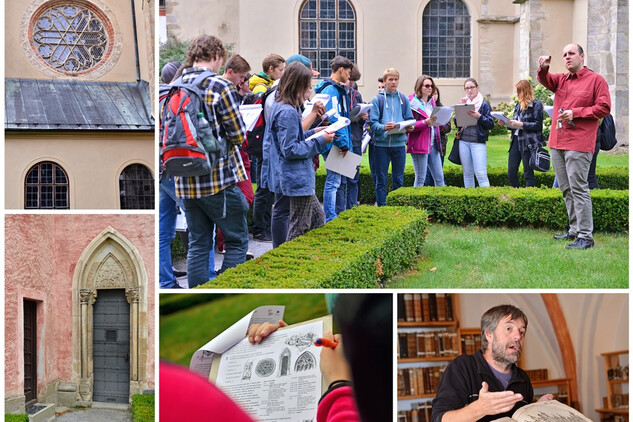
<point>95,415</point>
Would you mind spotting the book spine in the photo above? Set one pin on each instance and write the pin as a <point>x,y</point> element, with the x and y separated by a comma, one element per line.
<point>449,308</point>
<point>432,307</point>
<point>426,315</point>
<point>408,307</point>
<point>441,306</point>
<point>401,310</point>
<point>417,307</point>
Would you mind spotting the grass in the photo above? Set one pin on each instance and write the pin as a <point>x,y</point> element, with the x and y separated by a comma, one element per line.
<point>143,407</point>
<point>499,258</point>
<point>184,332</point>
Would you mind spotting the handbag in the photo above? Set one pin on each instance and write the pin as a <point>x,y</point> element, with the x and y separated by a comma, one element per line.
<point>453,157</point>
<point>539,159</point>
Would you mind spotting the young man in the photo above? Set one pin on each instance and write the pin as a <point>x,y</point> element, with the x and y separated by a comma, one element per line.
<point>236,70</point>
<point>273,67</point>
<point>214,198</point>
<point>582,99</point>
<point>389,107</point>
<point>336,87</point>
<point>487,385</point>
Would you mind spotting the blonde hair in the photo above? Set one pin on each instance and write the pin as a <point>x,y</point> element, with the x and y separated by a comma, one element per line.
<point>525,93</point>
<point>390,72</point>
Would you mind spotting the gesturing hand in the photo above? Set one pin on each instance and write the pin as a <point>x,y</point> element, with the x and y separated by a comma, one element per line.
<point>544,62</point>
<point>493,403</point>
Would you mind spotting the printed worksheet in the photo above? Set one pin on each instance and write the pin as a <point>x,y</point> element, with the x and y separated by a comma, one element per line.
<point>278,379</point>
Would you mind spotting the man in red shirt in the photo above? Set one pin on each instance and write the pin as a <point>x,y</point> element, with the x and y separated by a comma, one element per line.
<point>581,100</point>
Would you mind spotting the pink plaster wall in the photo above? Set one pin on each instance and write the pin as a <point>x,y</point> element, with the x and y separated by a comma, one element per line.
<point>41,254</point>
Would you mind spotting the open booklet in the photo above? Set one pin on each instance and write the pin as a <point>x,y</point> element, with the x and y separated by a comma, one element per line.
<point>401,127</point>
<point>546,411</point>
<point>276,380</point>
<point>339,124</point>
<point>359,109</point>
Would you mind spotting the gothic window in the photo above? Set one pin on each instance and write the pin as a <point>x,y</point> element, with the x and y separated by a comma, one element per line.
<point>46,187</point>
<point>305,362</point>
<point>327,28</point>
<point>136,187</point>
<point>446,39</point>
<point>71,37</point>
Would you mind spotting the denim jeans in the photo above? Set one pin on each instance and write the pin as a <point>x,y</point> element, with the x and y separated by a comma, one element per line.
<point>430,181</point>
<point>341,195</point>
<point>262,208</point>
<point>353,185</point>
<point>167,211</point>
<point>332,183</point>
<point>397,156</point>
<point>281,219</point>
<point>419,167</point>
<point>514,158</point>
<point>227,209</point>
<point>474,163</point>
<point>435,164</point>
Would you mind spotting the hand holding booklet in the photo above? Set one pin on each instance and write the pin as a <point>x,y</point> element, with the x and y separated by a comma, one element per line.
<point>401,127</point>
<point>462,117</point>
<point>546,411</point>
<point>277,379</point>
<point>443,115</point>
<point>346,165</point>
<point>339,124</point>
<point>500,116</point>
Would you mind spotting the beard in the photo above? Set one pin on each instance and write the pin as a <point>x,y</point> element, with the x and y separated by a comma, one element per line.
<point>503,352</point>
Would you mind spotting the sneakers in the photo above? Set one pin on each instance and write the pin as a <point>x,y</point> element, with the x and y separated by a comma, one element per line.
<point>581,243</point>
<point>178,273</point>
<point>263,237</point>
<point>249,255</point>
<point>565,236</point>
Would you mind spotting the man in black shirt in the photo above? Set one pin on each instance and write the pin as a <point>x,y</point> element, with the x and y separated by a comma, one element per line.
<point>487,385</point>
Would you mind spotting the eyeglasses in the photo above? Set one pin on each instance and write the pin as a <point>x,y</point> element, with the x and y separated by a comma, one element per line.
<point>427,86</point>
<point>469,88</point>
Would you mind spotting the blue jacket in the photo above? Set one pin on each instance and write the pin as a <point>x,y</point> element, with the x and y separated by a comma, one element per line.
<point>484,123</point>
<point>338,95</point>
<point>287,156</point>
<point>394,105</point>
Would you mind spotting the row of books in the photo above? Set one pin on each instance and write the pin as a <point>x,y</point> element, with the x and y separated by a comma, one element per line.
<point>470,343</point>
<point>418,413</point>
<point>537,374</point>
<point>427,344</point>
<point>419,381</point>
<point>618,373</point>
<point>620,401</point>
<point>425,307</point>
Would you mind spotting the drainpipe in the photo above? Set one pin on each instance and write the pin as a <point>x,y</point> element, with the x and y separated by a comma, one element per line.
<point>138,65</point>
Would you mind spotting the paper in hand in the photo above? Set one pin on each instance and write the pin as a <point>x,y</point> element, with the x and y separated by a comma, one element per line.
<point>443,115</point>
<point>339,124</point>
<point>401,127</point>
<point>500,116</point>
<point>344,165</point>
<point>462,117</point>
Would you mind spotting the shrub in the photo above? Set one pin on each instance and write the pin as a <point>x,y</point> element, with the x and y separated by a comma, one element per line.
<point>361,248</point>
<point>16,418</point>
<point>497,206</point>
<point>143,407</point>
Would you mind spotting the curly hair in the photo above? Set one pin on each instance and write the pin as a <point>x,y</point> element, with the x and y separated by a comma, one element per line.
<point>204,48</point>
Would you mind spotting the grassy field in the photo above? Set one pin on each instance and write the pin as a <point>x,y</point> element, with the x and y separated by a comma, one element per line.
<point>185,331</point>
<point>498,258</point>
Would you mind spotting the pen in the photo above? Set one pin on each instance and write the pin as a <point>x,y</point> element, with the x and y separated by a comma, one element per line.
<point>326,343</point>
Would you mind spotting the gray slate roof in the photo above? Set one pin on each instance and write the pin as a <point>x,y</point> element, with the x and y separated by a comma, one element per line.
<point>40,104</point>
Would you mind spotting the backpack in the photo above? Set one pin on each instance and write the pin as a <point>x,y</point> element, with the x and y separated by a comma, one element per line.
<point>189,145</point>
<point>606,133</point>
<point>253,145</point>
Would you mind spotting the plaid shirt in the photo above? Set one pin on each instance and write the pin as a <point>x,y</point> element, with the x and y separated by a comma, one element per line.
<point>222,98</point>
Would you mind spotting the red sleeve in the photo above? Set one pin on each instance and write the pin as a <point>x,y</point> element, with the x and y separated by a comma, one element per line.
<point>548,80</point>
<point>338,406</point>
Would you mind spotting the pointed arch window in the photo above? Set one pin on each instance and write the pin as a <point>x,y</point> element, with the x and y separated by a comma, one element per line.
<point>46,187</point>
<point>327,28</point>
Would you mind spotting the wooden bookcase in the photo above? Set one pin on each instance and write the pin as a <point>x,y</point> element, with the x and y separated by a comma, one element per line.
<point>561,390</point>
<point>616,369</point>
<point>429,362</point>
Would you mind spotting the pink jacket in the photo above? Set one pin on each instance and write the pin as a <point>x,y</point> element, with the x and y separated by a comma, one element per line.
<point>419,141</point>
<point>338,406</point>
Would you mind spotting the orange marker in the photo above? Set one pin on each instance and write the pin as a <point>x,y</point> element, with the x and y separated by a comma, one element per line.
<point>326,343</point>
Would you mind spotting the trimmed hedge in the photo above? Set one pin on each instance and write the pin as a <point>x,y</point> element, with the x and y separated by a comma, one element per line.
<point>361,248</point>
<point>616,178</point>
<point>497,206</point>
<point>143,407</point>
<point>23,417</point>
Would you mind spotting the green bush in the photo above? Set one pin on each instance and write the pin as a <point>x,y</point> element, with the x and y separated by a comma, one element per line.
<point>616,178</point>
<point>143,407</point>
<point>361,248</point>
<point>16,418</point>
<point>497,206</point>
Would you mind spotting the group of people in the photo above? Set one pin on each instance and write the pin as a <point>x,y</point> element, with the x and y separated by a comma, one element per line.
<point>285,204</point>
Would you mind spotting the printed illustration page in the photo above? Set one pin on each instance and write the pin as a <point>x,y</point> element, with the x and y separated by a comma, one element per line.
<point>546,411</point>
<point>278,379</point>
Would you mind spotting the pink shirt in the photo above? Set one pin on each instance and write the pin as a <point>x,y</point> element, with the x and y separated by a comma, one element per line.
<point>586,94</point>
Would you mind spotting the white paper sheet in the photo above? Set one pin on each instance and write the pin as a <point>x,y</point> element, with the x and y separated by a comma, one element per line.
<point>344,165</point>
<point>203,358</point>
<point>443,115</point>
<point>359,109</point>
<point>366,140</point>
<point>549,110</point>
<point>278,379</point>
<point>500,116</point>
<point>307,106</point>
<point>461,115</point>
<point>339,124</point>
<point>401,127</point>
<point>250,113</point>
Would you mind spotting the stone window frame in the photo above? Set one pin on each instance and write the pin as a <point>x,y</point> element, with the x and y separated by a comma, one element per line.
<point>457,64</point>
<point>39,186</point>
<point>143,195</point>
<point>115,42</point>
<point>312,26</point>
<point>110,261</point>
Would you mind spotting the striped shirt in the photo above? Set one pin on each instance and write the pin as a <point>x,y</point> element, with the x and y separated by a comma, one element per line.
<point>222,98</point>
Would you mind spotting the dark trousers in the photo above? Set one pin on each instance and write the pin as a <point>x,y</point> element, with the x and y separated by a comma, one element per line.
<point>591,178</point>
<point>514,159</point>
<point>281,219</point>
<point>262,208</point>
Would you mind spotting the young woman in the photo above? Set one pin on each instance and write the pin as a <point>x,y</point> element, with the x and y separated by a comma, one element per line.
<point>527,133</point>
<point>287,162</point>
<point>472,144</point>
<point>423,142</point>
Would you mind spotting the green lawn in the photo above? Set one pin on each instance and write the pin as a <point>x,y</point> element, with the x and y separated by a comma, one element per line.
<point>185,331</point>
<point>494,258</point>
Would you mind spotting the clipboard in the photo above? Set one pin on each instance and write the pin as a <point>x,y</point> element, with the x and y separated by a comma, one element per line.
<point>462,117</point>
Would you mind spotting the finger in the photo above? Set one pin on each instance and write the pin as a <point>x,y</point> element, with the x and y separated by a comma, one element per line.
<point>328,335</point>
<point>282,323</point>
<point>251,332</point>
<point>484,388</point>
